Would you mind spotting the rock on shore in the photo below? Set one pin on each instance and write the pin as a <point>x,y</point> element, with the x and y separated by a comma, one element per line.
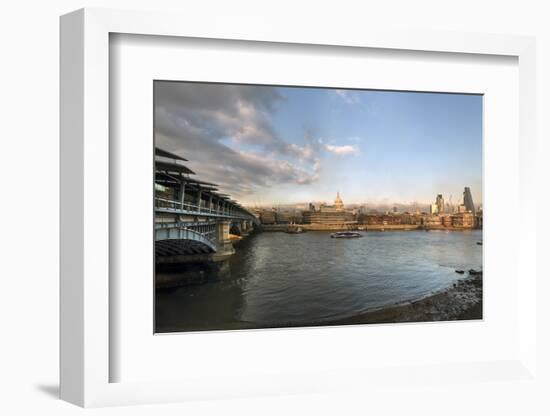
<point>462,301</point>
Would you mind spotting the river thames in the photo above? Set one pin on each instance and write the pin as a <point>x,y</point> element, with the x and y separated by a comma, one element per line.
<point>277,279</point>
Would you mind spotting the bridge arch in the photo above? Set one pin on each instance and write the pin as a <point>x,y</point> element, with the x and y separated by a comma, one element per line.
<point>181,247</point>
<point>175,239</point>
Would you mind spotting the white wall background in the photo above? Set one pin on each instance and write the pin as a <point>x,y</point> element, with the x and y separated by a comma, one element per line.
<point>29,205</point>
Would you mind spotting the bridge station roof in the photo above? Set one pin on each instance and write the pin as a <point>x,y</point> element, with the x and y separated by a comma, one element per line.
<point>172,167</point>
<point>173,172</point>
<point>202,184</point>
<point>166,178</point>
<point>170,155</point>
<point>210,188</point>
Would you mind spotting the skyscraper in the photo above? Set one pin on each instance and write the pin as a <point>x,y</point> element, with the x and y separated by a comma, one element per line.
<point>440,204</point>
<point>468,201</point>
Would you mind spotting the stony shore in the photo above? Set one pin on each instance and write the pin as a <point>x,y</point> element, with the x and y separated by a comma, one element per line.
<point>462,301</point>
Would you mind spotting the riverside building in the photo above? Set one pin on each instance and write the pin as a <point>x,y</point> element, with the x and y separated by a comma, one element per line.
<point>463,220</point>
<point>330,217</point>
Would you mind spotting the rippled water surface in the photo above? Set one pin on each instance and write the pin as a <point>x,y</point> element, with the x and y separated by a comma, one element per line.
<point>278,279</point>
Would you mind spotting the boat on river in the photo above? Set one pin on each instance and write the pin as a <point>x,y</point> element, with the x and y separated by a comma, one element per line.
<point>345,234</point>
<point>294,229</point>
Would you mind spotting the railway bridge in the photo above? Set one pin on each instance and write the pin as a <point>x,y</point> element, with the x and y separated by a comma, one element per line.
<point>192,217</point>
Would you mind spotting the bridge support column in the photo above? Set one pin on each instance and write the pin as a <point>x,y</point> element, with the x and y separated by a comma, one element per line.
<point>225,248</point>
<point>245,228</point>
<point>182,194</point>
<point>199,199</point>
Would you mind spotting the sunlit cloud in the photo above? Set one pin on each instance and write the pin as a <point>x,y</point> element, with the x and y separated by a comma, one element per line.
<point>348,96</point>
<point>342,150</point>
<point>229,129</point>
<point>279,171</point>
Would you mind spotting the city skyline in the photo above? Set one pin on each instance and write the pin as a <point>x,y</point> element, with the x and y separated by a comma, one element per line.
<point>289,145</point>
<point>449,207</point>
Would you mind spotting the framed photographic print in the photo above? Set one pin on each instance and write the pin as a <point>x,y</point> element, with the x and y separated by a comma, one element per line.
<point>245,237</point>
<point>305,204</point>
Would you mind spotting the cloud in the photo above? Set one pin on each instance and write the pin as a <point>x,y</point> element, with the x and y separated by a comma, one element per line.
<point>226,132</point>
<point>281,170</point>
<point>342,150</point>
<point>348,96</point>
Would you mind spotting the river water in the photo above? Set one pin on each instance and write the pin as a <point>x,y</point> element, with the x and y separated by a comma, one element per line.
<point>277,279</point>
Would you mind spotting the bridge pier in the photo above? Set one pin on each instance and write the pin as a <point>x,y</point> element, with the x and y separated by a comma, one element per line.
<point>245,227</point>
<point>225,247</point>
<point>242,226</point>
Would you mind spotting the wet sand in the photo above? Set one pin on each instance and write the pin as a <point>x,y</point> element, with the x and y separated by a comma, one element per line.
<point>462,301</point>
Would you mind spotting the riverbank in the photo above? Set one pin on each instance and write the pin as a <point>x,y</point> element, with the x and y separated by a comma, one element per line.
<point>362,227</point>
<point>277,280</point>
<point>462,301</point>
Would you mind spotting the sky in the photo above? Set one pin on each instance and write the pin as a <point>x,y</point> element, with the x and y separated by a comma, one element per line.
<point>271,145</point>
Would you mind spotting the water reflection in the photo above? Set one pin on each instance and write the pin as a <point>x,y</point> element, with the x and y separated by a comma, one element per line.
<point>279,279</point>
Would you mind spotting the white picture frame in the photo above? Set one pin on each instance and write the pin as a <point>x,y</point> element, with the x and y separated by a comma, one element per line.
<point>85,217</point>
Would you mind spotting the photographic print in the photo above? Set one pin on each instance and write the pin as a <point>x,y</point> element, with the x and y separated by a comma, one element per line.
<point>291,206</point>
